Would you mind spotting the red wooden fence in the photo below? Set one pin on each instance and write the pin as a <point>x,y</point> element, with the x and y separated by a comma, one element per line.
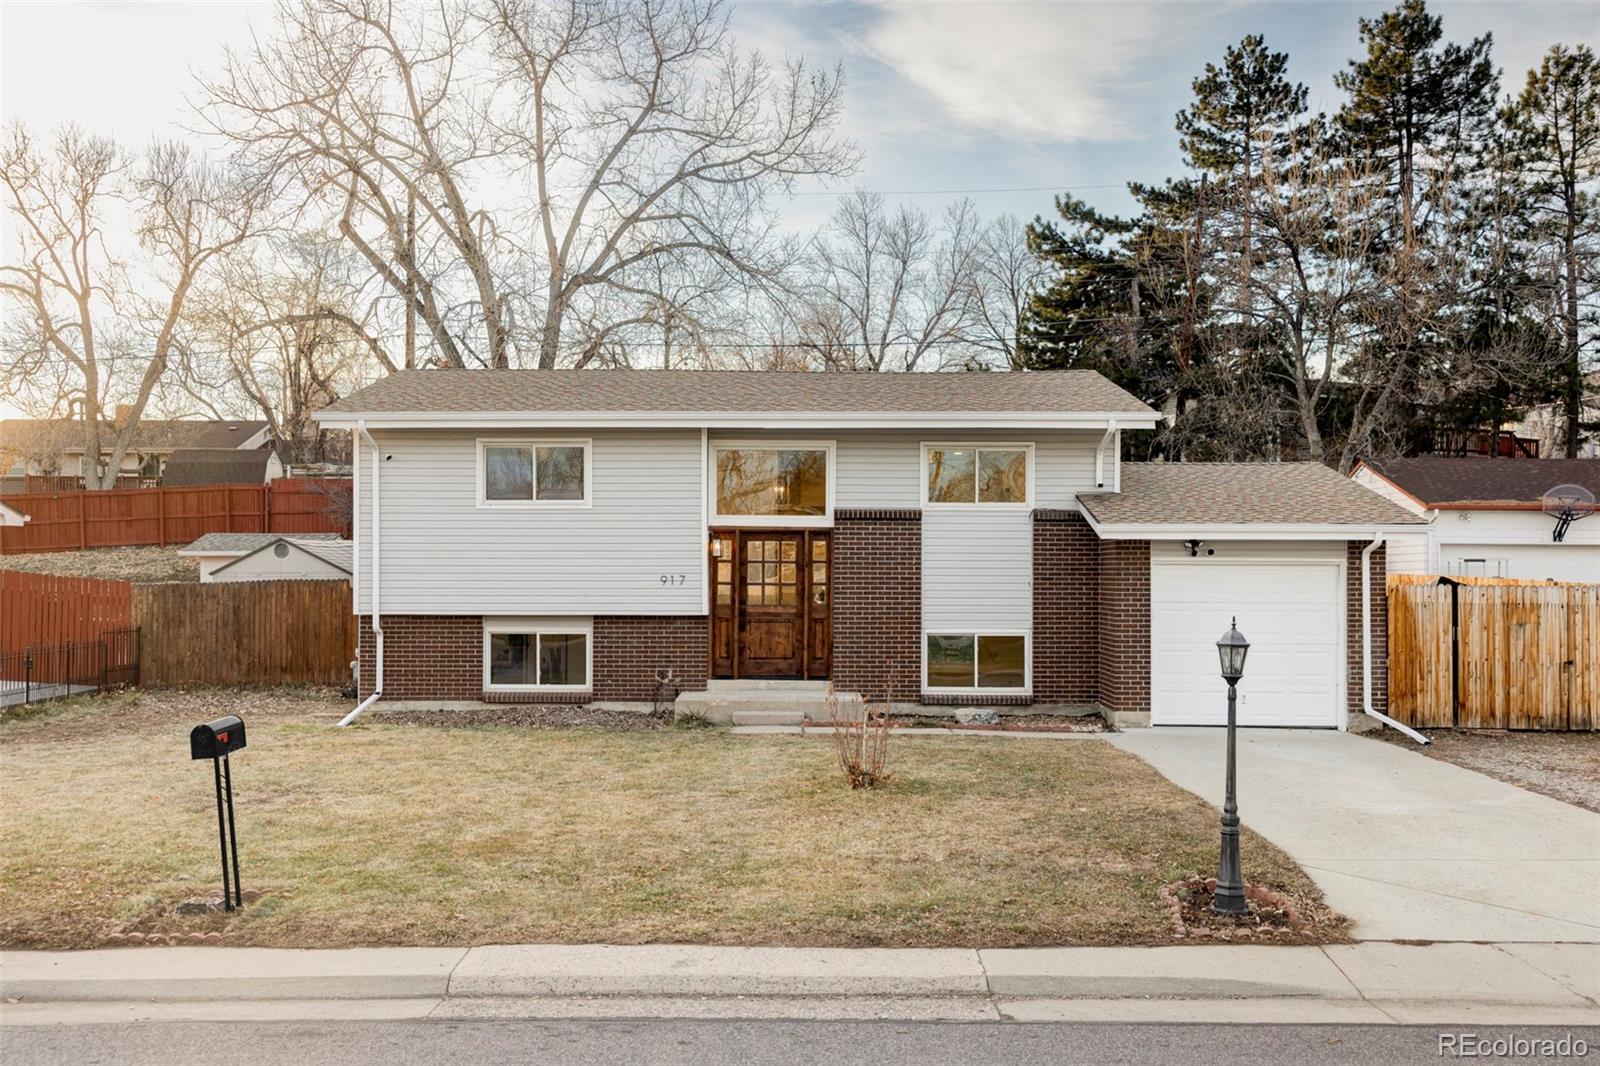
<point>51,609</point>
<point>68,521</point>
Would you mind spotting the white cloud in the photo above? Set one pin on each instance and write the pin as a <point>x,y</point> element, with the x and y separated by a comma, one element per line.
<point>1065,73</point>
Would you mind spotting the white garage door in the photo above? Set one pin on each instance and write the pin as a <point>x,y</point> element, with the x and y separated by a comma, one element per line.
<point>1293,616</point>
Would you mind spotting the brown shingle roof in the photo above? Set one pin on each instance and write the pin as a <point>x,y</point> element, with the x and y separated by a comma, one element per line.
<point>735,391</point>
<point>1438,480</point>
<point>1241,494</point>
<point>216,466</point>
<point>41,436</point>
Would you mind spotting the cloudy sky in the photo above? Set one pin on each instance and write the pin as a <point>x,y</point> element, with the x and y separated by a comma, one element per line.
<point>1003,102</point>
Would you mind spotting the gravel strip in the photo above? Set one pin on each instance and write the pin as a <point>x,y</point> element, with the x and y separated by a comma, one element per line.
<point>119,564</point>
<point>1564,766</point>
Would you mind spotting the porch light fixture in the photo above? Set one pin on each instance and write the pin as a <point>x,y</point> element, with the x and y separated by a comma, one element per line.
<point>1229,896</point>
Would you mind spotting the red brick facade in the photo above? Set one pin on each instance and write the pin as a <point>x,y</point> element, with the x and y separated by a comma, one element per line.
<point>425,657</point>
<point>1066,615</point>
<point>1380,628</point>
<point>877,602</point>
<point>1124,625</point>
<point>629,649</point>
<point>440,657</point>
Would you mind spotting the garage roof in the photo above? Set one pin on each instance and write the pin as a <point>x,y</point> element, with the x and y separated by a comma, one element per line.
<point>240,543</point>
<point>1461,482</point>
<point>1246,498</point>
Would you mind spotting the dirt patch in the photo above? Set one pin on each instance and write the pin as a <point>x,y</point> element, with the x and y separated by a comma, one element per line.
<point>533,715</point>
<point>118,564</point>
<point>1563,766</point>
<point>164,710</point>
<point>1272,917</point>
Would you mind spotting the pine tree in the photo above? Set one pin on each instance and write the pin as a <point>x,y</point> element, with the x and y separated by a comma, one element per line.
<point>1556,125</point>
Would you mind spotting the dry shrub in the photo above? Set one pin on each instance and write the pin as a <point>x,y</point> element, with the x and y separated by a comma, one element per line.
<point>862,742</point>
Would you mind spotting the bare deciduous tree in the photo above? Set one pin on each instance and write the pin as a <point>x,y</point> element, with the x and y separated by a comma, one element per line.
<point>892,288</point>
<point>91,333</point>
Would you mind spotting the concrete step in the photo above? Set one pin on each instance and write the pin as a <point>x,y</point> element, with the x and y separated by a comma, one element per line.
<point>762,706</point>
<point>762,684</point>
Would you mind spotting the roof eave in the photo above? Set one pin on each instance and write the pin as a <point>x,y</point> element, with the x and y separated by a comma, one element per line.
<point>738,419</point>
<point>1322,531</point>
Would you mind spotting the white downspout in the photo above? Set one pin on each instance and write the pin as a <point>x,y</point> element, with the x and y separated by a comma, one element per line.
<point>377,618</point>
<point>1366,644</point>
<point>1100,454</point>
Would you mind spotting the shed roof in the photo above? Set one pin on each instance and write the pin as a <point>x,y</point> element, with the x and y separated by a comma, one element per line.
<point>737,391</point>
<point>1241,494</point>
<point>1449,481</point>
<point>216,466</point>
<point>337,554</point>
<point>240,543</point>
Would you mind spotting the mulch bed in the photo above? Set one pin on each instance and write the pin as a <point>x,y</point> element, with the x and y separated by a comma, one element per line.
<point>536,716</point>
<point>1009,723</point>
<point>1272,918</point>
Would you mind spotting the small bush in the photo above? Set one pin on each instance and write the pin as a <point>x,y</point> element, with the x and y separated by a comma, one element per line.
<point>862,743</point>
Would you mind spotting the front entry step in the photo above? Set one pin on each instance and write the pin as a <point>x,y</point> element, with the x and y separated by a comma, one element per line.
<point>764,703</point>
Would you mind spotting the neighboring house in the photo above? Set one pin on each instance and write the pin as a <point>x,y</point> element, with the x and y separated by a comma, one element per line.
<point>1547,423</point>
<point>10,516</point>
<point>1484,516</point>
<point>220,466</point>
<point>957,539</point>
<point>217,550</point>
<point>55,446</point>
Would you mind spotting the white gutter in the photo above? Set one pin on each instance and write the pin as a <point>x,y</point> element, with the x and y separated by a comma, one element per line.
<point>377,619</point>
<point>1100,453</point>
<point>1366,643</point>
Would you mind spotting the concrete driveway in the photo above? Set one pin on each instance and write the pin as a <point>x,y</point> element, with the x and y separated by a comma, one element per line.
<point>1407,846</point>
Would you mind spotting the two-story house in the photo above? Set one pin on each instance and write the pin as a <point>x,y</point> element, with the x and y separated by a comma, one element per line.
<point>955,539</point>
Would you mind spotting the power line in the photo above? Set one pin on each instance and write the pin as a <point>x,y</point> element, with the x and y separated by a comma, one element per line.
<point>953,192</point>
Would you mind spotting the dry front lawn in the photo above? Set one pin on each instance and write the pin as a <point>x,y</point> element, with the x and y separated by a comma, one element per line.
<point>394,833</point>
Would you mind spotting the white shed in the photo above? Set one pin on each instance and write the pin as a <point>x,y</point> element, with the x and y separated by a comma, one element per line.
<point>284,559</point>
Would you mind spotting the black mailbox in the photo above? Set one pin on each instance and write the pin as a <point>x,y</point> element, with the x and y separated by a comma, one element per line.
<point>216,739</point>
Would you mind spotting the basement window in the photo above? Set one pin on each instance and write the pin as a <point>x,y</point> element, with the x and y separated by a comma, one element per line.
<point>547,656</point>
<point>977,661</point>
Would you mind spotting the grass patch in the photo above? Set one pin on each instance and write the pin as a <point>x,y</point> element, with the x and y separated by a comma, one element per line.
<point>413,834</point>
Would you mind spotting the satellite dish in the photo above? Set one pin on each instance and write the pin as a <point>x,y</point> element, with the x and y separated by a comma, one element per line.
<point>1566,504</point>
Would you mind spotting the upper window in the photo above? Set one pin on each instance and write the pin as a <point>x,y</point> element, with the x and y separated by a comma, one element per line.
<point>553,472</point>
<point>772,483</point>
<point>973,474</point>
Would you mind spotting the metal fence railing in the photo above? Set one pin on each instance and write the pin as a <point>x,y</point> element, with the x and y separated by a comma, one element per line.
<point>50,671</point>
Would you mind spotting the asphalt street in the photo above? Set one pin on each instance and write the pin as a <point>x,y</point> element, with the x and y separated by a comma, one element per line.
<point>742,1043</point>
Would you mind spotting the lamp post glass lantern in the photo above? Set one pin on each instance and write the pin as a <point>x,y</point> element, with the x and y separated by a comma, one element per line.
<point>1229,897</point>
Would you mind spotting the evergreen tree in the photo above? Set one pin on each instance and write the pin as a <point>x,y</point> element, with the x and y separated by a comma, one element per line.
<point>1556,124</point>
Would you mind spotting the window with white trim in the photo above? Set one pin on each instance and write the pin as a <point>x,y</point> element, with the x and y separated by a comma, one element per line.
<point>537,655</point>
<point>524,473</point>
<point>976,661</point>
<point>767,483</point>
<point>976,474</point>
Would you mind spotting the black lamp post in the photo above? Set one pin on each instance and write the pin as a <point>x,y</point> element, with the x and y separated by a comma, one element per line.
<point>1229,897</point>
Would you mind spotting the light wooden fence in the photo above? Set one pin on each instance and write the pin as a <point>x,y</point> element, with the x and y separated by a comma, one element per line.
<point>68,521</point>
<point>1494,654</point>
<point>246,632</point>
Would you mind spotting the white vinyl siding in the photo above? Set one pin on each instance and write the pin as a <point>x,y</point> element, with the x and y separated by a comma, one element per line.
<point>297,564</point>
<point>977,571</point>
<point>1406,553</point>
<point>443,554</point>
<point>1520,540</point>
<point>883,470</point>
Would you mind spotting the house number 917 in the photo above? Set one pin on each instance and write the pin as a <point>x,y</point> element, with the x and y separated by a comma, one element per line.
<point>668,580</point>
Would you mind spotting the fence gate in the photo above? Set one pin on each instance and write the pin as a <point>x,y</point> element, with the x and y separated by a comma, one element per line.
<point>1495,655</point>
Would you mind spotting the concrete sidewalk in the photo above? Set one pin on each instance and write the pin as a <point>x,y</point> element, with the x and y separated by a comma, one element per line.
<point>1379,982</point>
<point>1410,848</point>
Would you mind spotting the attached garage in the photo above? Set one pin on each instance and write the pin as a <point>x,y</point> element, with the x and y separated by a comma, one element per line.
<point>1277,546</point>
<point>1291,610</point>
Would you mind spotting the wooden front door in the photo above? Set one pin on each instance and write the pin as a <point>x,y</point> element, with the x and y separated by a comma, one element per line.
<point>770,611</point>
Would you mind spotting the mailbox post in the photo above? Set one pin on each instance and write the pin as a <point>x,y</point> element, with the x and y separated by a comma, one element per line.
<point>214,741</point>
